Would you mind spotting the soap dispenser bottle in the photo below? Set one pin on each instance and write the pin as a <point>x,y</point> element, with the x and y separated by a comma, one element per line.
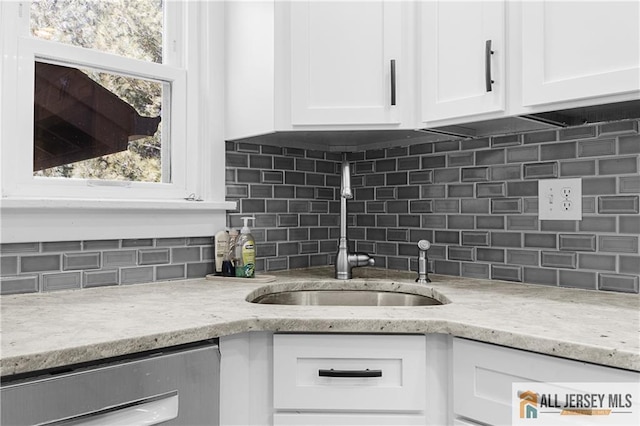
<point>246,252</point>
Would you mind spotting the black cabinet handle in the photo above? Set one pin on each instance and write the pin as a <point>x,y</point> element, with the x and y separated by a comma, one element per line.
<point>393,82</point>
<point>349,373</point>
<point>487,65</point>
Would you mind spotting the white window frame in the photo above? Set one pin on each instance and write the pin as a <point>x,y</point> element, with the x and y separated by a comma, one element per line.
<point>50,209</point>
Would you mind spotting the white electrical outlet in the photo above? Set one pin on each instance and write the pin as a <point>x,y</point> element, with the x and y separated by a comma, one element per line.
<point>560,199</point>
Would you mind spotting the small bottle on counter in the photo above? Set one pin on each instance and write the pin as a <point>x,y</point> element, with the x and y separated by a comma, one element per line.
<point>228,264</point>
<point>221,244</point>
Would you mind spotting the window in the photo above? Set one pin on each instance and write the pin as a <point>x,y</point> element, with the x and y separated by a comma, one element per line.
<point>82,172</point>
<point>90,124</point>
<point>101,94</point>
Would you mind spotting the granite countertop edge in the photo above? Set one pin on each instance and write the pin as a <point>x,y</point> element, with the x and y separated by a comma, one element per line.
<point>483,310</point>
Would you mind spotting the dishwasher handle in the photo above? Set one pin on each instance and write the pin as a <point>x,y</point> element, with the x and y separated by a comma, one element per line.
<point>149,411</point>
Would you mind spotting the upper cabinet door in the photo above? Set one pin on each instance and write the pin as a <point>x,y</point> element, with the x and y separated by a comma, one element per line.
<point>577,50</point>
<point>462,58</point>
<point>343,56</point>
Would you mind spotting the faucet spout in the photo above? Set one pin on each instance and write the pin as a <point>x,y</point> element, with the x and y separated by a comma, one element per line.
<point>346,261</point>
<point>345,185</point>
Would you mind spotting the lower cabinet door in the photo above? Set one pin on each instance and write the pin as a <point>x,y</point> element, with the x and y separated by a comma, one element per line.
<point>337,374</point>
<point>483,375</point>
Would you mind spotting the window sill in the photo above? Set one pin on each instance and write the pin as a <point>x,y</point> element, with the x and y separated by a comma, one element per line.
<point>88,204</point>
<point>39,220</point>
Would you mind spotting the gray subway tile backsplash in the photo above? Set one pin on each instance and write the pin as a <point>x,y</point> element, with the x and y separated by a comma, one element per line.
<point>559,260</point>
<point>585,132</point>
<point>523,257</point>
<point>539,137</point>
<point>557,151</point>
<point>545,276</point>
<point>618,204</point>
<point>629,145</point>
<point>489,157</point>
<point>522,154</point>
<point>475,199</point>
<point>61,281</point>
<point>596,148</point>
<point>577,242</point>
<point>506,205</point>
<point>492,255</point>
<point>153,256</point>
<point>8,265</point>
<point>577,279</point>
<point>507,273</point>
<point>99,278</point>
<point>619,127</point>
<point>578,168</point>
<point>40,263</point>
<point>618,165</point>
<point>540,240</point>
<point>616,282</point>
<point>598,262</point>
<point>19,285</point>
<point>144,242</point>
<point>475,174</point>
<point>104,263</point>
<point>61,246</point>
<point>75,261</point>
<point>629,264</point>
<point>541,170</point>
<point>618,243</point>
<point>475,270</point>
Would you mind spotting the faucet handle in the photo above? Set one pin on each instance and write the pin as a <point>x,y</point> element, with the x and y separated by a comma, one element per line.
<point>361,259</point>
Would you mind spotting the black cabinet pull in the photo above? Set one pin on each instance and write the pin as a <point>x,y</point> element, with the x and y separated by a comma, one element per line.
<point>349,373</point>
<point>393,82</point>
<point>487,65</point>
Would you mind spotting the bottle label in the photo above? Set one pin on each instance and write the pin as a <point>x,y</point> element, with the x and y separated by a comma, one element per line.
<point>248,259</point>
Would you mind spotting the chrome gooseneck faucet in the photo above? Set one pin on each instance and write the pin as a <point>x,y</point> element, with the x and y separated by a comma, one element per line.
<point>345,261</point>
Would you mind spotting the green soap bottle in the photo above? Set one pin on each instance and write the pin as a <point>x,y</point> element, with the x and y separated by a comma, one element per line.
<point>246,252</point>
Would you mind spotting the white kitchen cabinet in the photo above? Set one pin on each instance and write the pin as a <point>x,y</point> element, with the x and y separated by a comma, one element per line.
<point>246,379</point>
<point>315,65</point>
<point>579,50</point>
<point>463,51</point>
<point>483,375</point>
<point>349,379</point>
<point>346,59</point>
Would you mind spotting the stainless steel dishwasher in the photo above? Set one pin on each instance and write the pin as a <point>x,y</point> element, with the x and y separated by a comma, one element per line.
<point>178,386</point>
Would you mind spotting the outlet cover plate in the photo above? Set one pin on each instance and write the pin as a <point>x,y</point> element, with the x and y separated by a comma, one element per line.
<point>560,199</point>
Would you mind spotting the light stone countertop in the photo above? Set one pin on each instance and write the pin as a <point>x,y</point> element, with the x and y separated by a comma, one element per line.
<point>47,330</point>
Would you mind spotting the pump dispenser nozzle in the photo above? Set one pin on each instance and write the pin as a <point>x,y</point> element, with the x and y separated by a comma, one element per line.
<point>245,227</point>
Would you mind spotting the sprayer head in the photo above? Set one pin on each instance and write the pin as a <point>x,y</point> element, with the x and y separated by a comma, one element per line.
<point>424,245</point>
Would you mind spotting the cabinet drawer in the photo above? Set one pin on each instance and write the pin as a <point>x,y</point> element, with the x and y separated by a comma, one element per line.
<point>349,372</point>
<point>483,375</point>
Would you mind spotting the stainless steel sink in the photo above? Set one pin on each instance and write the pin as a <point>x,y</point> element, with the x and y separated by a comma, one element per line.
<point>363,297</point>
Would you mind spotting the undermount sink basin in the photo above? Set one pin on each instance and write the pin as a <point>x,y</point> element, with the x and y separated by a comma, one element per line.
<point>353,297</point>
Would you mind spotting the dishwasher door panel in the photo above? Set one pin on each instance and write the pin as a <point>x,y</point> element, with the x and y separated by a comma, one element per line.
<point>142,391</point>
